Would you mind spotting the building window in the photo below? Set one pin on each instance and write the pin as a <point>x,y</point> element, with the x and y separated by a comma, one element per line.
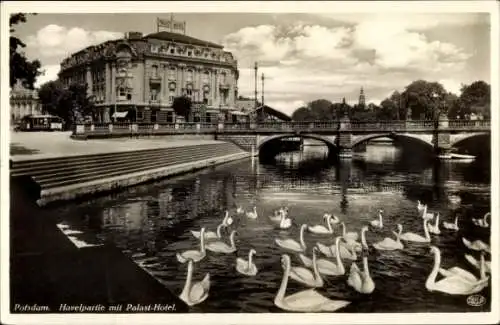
<point>190,53</point>
<point>223,77</point>
<point>154,48</point>
<point>154,94</point>
<point>189,92</point>
<point>140,115</point>
<point>154,116</point>
<point>171,73</point>
<point>122,93</point>
<point>189,76</point>
<point>155,71</point>
<point>205,77</point>
<point>170,117</point>
<point>172,51</point>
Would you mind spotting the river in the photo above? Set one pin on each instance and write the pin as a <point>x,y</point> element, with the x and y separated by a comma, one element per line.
<point>153,222</point>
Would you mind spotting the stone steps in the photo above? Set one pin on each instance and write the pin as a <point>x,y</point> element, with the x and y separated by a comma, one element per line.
<point>58,172</point>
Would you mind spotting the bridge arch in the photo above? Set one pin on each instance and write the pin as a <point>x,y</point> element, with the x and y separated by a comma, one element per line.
<point>461,137</point>
<point>425,140</point>
<point>328,141</point>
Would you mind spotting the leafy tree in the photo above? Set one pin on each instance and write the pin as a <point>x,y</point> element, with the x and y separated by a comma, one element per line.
<point>452,102</point>
<point>425,99</point>
<point>182,106</point>
<point>303,114</point>
<point>476,98</point>
<point>49,94</point>
<point>21,69</point>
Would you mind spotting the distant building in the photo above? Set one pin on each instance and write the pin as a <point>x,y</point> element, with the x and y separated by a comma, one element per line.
<point>23,102</point>
<point>361,101</point>
<point>138,77</point>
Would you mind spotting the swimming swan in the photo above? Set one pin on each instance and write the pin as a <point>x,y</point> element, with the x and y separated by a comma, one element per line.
<point>361,281</point>
<point>434,229</point>
<point>346,252</point>
<point>409,236</point>
<point>453,285</point>
<point>252,214</point>
<point>420,206</point>
<point>292,244</point>
<point>482,222</point>
<point>222,247</point>
<point>427,216</point>
<point>306,276</point>
<point>247,267</point>
<point>378,223</point>
<point>304,301</point>
<point>285,222</point>
<point>320,229</point>
<point>325,266</point>
<point>194,255</point>
<point>195,293</point>
<point>389,244</point>
<point>450,225</point>
<point>240,210</point>
<point>477,264</point>
<point>477,245</point>
<point>209,235</point>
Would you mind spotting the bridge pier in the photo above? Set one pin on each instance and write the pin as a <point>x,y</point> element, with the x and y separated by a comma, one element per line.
<point>441,138</point>
<point>344,138</point>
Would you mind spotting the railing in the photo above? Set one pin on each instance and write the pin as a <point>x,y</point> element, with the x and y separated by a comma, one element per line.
<point>277,127</point>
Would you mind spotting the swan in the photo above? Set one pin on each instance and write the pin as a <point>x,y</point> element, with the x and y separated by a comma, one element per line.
<point>252,214</point>
<point>482,222</point>
<point>194,255</point>
<point>420,206</point>
<point>476,245</point>
<point>434,229</point>
<point>277,216</point>
<point>285,222</point>
<point>227,221</point>
<point>427,216</point>
<point>292,244</point>
<point>247,267</point>
<point>320,229</point>
<point>348,236</point>
<point>361,281</point>
<point>304,301</point>
<point>450,225</point>
<point>284,211</point>
<point>222,247</point>
<point>453,284</point>
<point>209,234</point>
<point>378,223</point>
<point>335,220</point>
<point>195,293</point>
<point>410,236</point>
<point>347,253</point>
<point>325,266</point>
<point>240,210</point>
<point>477,264</point>
<point>389,244</point>
<point>306,276</point>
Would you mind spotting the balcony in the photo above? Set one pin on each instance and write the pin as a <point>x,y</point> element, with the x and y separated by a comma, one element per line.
<point>155,80</point>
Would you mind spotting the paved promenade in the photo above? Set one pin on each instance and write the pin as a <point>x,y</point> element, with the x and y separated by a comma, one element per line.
<point>30,145</point>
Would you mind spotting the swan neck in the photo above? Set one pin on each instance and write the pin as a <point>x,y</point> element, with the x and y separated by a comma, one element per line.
<point>482,267</point>
<point>380,218</point>
<point>301,237</point>
<point>284,282</point>
<point>231,238</point>
<point>328,223</point>
<point>189,278</point>
<point>431,279</point>
<point>250,258</point>
<point>365,266</point>
<point>363,238</point>
<point>219,228</point>
<point>340,265</point>
<point>436,224</point>
<point>426,231</point>
<point>202,240</point>
<point>456,221</point>
<point>343,229</point>
<point>315,265</point>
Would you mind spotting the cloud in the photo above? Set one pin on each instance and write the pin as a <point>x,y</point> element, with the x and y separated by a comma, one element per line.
<point>304,62</point>
<point>54,41</point>
<point>50,73</point>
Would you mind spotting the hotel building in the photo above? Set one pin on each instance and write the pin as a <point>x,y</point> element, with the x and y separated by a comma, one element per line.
<point>137,78</point>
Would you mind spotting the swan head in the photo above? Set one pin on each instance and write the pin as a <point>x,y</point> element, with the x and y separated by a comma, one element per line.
<point>202,231</point>
<point>364,229</point>
<point>285,261</point>
<point>252,252</point>
<point>434,249</point>
<point>380,211</point>
<point>303,227</point>
<point>400,227</point>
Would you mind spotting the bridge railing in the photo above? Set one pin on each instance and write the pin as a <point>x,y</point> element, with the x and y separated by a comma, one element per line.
<point>318,126</point>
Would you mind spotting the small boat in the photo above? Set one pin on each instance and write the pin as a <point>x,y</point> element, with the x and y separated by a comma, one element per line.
<point>458,156</point>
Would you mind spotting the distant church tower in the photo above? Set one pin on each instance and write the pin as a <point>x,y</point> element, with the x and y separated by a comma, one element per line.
<point>362,102</point>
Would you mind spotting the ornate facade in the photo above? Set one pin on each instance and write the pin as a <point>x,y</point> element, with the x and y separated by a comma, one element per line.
<point>23,102</point>
<point>138,77</point>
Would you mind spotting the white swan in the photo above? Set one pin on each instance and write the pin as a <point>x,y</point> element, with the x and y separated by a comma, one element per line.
<point>346,253</point>
<point>227,221</point>
<point>434,229</point>
<point>453,285</point>
<point>209,235</point>
<point>451,225</point>
<point>240,210</point>
<point>292,244</point>
<point>477,264</point>
<point>247,267</point>
<point>410,236</point>
<point>361,281</point>
<point>306,276</point>
<point>304,301</point>
<point>335,220</point>
<point>389,244</point>
<point>320,229</point>
<point>482,222</point>
<point>195,293</point>
<point>252,214</point>
<point>325,266</point>
<point>285,222</point>
<point>222,247</point>
<point>378,223</point>
<point>427,216</point>
<point>477,245</point>
<point>194,255</point>
<point>420,206</point>
<point>277,216</point>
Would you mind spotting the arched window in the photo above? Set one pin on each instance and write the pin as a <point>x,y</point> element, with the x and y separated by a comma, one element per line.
<point>205,77</point>
<point>189,75</point>
<point>223,77</point>
<point>171,73</point>
<point>155,71</point>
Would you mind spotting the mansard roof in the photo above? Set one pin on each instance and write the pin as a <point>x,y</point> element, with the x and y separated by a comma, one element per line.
<point>181,38</point>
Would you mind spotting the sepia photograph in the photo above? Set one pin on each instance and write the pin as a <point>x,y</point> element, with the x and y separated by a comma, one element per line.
<point>298,162</point>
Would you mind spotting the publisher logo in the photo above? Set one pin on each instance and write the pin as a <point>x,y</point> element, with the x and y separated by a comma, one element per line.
<point>476,300</point>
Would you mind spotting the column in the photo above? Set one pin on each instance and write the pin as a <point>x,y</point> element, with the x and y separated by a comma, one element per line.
<point>182,68</point>
<point>107,78</point>
<point>199,85</point>
<point>88,77</point>
<point>441,138</point>
<point>113,83</point>
<point>216,96</point>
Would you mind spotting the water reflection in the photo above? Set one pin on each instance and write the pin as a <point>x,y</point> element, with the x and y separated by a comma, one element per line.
<point>154,221</point>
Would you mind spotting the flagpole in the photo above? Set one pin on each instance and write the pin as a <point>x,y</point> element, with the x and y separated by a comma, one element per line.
<point>171,23</point>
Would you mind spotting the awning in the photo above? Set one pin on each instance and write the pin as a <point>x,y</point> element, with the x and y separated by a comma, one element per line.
<point>120,114</point>
<point>239,113</point>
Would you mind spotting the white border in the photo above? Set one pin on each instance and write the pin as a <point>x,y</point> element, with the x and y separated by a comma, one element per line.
<point>256,7</point>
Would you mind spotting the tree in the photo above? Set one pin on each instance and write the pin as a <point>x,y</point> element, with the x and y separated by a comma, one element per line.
<point>49,95</point>
<point>476,98</point>
<point>425,99</point>
<point>182,106</point>
<point>303,114</point>
<point>21,69</point>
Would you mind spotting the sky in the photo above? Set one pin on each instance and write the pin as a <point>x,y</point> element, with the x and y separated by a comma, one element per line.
<point>303,56</point>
